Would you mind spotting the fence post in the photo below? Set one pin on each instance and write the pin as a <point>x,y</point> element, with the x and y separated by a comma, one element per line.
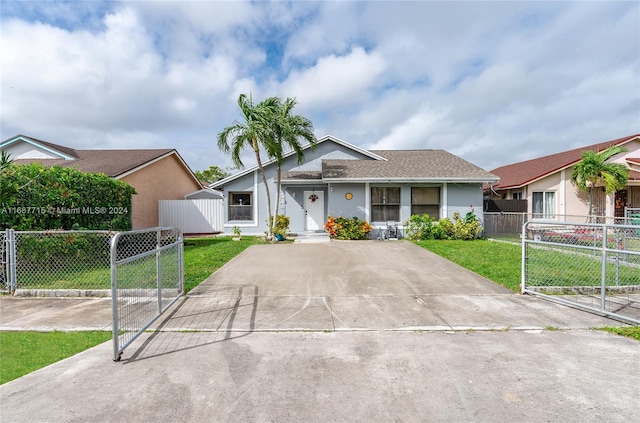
<point>158,269</point>
<point>603,281</point>
<point>12,283</point>
<point>523,258</point>
<point>115,327</point>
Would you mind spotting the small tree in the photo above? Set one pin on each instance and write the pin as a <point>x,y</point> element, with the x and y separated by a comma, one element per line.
<point>593,170</point>
<point>285,131</point>
<point>211,175</point>
<point>251,133</point>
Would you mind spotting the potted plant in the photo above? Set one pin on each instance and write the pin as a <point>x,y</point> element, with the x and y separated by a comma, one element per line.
<point>236,233</point>
<point>282,227</point>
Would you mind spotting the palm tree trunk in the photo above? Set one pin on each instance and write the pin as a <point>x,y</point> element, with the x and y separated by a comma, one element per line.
<point>266,189</point>
<point>276,207</point>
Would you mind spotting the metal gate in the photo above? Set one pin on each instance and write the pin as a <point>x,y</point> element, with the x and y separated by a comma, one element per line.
<point>595,267</point>
<point>147,277</point>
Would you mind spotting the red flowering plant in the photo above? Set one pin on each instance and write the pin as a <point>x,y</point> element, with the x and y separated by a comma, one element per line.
<point>343,228</point>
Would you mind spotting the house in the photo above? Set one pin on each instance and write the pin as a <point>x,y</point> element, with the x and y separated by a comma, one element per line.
<point>156,174</point>
<point>341,179</point>
<point>545,183</point>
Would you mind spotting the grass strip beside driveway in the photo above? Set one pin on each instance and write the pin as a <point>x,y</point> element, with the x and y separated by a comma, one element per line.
<point>498,261</point>
<point>25,352</point>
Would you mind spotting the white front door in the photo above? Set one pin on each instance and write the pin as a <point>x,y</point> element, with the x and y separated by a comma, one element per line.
<point>314,210</point>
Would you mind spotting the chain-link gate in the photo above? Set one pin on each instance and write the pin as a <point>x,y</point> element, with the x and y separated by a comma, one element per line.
<point>595,267</point>
<point>147,277</point>
<point>69,263</point>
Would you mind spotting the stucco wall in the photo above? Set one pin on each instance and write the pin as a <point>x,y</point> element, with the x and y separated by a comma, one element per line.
<point>462,198</point>
<point>166,179</point>
<point>292,205</point>
<point>340,206</point>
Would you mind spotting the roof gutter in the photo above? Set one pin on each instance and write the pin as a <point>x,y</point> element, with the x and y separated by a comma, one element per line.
<point>413,180</point>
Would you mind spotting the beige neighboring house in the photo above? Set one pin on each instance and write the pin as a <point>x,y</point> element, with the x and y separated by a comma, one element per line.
<point>545,183</point>
<point>156,174</point>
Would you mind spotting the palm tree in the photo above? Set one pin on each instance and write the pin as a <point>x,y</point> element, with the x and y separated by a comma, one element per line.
<point>593,171</point>
<point>252,133</point>
<point>286,131</point>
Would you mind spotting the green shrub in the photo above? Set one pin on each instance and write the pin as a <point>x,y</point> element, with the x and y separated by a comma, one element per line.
<point>422,227</point>
<point>347,229</point>
<point>282,225</point>
<point>466,229</point>
<point>64,198</point>
<point>53,251</point>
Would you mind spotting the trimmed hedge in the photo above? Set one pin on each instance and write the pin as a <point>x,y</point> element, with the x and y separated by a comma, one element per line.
<point>64,198</point>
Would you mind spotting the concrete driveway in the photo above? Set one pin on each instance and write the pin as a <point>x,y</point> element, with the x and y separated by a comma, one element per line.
<point>343,331</point>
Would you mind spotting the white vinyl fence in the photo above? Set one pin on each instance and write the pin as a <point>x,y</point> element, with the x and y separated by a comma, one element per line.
<point>200,216</point>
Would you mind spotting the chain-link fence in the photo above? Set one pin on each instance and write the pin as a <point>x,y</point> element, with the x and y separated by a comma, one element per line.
<point>587,265</point>
<point>62,263</point>
<point>4,277</point>
<point>509,224</point>
<point>146,279</point>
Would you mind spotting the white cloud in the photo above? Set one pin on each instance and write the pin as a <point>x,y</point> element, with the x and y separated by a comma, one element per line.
<point>494,82</point>
<point>336,80</point>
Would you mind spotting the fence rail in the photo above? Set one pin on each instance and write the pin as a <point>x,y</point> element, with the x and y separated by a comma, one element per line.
<point>591,266</point>
<point>146,279</point>
<point>509,224</point>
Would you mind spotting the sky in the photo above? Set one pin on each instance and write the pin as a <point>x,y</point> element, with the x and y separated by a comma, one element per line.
<point>492,82</point>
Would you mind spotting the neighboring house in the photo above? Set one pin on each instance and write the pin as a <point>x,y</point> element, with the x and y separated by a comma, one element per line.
<point>156,174</point>
<point>545,183</point>
<point>340,179</point>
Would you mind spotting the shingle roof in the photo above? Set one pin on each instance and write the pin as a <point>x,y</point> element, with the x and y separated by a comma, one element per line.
<point>113,163</point>
<point>301,175</point>
<point>519,174</point>
<point>436,165</point>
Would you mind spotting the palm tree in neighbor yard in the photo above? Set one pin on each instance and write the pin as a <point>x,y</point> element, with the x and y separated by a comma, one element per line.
<point>286,132</point>
<point>594,171</point>
<point>252,133</point>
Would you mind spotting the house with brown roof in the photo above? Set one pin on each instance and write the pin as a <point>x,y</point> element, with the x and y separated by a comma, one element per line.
<point>156,174</point>
<point>545,183</point>
<point>341,179</point>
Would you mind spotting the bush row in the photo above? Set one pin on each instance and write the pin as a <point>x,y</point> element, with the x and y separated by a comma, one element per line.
<point>45,198</point>
<point>424,227</point>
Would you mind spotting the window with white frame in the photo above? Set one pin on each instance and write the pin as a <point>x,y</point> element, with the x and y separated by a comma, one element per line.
<point>426,200</point>
<point>385,204</point>
<point>544,204</point>
<point>240,206</point>
<point>517,195</point>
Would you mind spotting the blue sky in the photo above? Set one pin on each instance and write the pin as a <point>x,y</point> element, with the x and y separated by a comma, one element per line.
<point>493,82</point>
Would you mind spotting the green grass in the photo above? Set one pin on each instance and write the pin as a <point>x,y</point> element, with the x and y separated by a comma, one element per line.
<point>25,352</point>
<point>628,331</point>
<point>498,261</point>
<point>203,256</point>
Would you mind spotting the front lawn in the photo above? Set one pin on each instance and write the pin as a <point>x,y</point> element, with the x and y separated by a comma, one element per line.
<point>25,352</point>
<point>498,261</point>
